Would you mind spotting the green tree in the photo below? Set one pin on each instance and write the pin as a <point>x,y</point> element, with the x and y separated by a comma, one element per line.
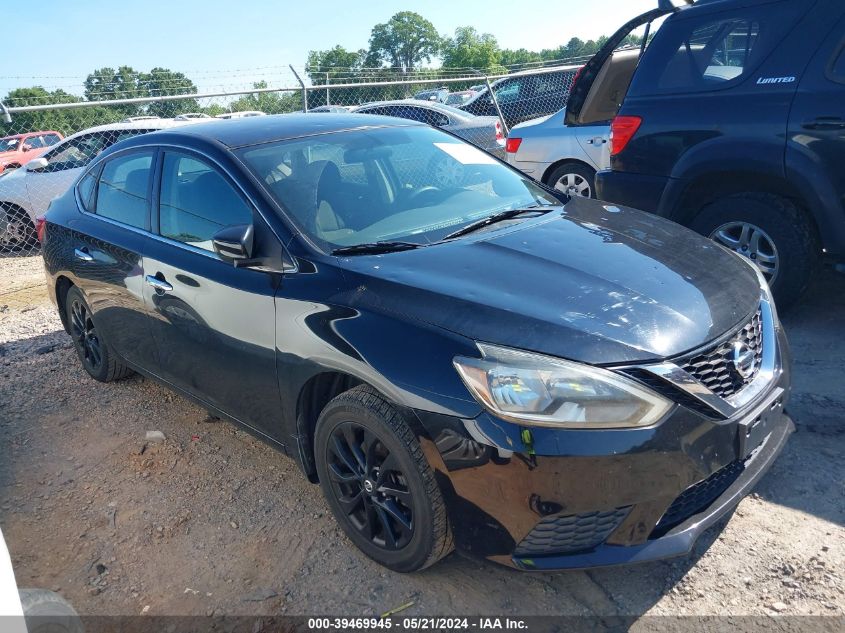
<point>107,84</point>
<point>267,102</point>
<point>337,62</point>
<point>66,121</point>
<point>404,41</point>
<point>470,50</point>
<point>165,82</point>
<point>519,57</point>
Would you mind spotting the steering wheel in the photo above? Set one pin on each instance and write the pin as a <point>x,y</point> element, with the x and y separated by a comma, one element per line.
<point>428,189</point>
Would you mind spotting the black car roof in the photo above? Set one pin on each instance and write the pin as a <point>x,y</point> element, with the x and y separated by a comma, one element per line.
<point>263,129</point>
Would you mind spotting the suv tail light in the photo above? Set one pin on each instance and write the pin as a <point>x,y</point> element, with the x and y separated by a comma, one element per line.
<point>40,227</point>
<point>622,130</point>
<point>512,145</point>
<point>500,136</point>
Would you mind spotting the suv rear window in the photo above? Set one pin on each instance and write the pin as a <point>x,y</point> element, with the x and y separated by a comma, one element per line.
<point>699,54</point>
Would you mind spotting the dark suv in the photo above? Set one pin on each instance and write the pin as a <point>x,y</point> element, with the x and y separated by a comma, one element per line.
<point>734,125</point>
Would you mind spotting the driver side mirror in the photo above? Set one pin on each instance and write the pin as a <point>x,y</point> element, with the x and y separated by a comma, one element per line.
<point>36,163</point>
<point>234,243</point>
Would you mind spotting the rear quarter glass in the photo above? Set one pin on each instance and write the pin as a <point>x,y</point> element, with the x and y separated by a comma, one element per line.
<point>708,50</point>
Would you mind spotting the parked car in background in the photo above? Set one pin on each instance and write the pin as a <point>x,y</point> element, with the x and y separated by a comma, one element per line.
<point>191,116</point>
<point>141,117</point>
<point>561,156</point>
<point>484,132</point>
<point>26,193</point>
<point>436,94</point>
<point>330,108</point>
<point>547,381</point>
<point>240,115</point>
<point>525,95</point>
<point>18,149</point>
<point>460,97</point>
<point>734,125</point>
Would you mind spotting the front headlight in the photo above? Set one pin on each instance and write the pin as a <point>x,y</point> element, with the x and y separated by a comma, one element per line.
<point>536,390</point>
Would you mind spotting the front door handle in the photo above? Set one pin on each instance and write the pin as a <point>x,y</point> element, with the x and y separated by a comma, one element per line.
<point>825,123</point>
<point>83,254</point>
<point>160,285</point>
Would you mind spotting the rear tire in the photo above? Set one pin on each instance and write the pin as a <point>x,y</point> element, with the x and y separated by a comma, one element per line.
<point>575,179</point>
<point>372,470</point>
<point>92,349</point>
<point>773,229</point>
<point>19,234</point>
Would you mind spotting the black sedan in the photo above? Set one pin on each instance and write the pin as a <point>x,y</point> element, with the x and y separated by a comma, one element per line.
<point>545,382</point>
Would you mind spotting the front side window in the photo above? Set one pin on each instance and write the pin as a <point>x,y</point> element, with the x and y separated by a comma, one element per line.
<point>410,183</point>
<point>197,201</point>
<point>509,91</point>
<point>122,189</point>
<point>76,152</point>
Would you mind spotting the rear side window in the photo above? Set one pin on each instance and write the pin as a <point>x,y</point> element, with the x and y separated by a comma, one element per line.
<point>695,55</point>
<point>197,201</point>
<point>122,189</point>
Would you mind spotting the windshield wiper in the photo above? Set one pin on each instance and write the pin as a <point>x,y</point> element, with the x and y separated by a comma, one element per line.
<point>376,247</point>
<point>501,216</point>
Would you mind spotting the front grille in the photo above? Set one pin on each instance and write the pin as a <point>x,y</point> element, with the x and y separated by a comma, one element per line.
<point>571,533</point>
<point>697,497</point>
<point>715,368</point>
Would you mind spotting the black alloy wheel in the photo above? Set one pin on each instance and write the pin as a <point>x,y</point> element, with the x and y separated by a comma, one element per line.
<point>370,486</point>
<point>85,337</point>
<point>378,483</point>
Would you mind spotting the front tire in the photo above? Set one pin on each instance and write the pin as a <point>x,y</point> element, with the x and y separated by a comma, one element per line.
<point>574,179</point>
<point>378,484</point>
<point>92,349</point>
<point>47,612</point>
<point>770,230</point>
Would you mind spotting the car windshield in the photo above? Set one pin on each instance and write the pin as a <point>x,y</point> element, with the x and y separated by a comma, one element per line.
<point>413,184</point>
<point>9,144</point>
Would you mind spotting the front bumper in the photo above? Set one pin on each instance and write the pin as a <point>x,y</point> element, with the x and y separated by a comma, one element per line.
<point>567,499</point>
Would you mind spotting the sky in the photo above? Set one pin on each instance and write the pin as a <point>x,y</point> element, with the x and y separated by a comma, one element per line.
<point>231,43</point>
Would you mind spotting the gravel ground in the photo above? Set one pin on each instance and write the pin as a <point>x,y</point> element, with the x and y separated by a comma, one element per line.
<point>211,521</point>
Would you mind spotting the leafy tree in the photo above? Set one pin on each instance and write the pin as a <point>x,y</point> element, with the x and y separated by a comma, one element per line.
<point>267,102</point>
<point>107,84</point>
<point>163,82</point>
<point>467,49</point>
<point>64,121</point>
<point>404,41</point>
<point>338,62</point>
<point>519,57</point>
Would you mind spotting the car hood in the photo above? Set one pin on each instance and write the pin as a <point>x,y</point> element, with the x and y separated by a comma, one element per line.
<point>595,283</point>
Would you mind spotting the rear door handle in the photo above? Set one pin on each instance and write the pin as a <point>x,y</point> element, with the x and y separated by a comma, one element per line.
<point>825,123</point>
<point>160,285</point>
<point>83,254</point>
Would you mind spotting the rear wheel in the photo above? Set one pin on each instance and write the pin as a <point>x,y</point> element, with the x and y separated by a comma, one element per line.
<point>93,351</point>
<point>19,232</point>
<point>574,179</point>
<point>378,483</point>
<point>771,231</point>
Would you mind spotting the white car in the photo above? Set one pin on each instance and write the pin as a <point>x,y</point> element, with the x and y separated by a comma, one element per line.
<point>26,193</point>
<point>563,157</point>
<point>240,115</point>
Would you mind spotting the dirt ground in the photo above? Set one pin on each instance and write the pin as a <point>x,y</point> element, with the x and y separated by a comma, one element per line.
<point>214,522</point>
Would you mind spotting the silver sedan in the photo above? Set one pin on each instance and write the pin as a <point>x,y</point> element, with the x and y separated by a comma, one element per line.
<point>558,155</point>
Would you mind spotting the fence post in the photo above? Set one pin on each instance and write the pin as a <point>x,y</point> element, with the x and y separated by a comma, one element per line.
<point>496,103</point>
<point>7,116</point>
<point>328,100</point>
<point>304,91</point>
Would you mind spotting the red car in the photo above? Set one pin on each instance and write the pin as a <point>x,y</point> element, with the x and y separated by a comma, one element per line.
<point>17,150</point>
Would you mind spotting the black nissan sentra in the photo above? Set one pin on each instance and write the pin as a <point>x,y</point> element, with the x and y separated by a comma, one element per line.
<point>546,382</point>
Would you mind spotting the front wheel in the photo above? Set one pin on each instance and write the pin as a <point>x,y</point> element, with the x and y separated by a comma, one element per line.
<point>771,231</point>
<point>378,484</point>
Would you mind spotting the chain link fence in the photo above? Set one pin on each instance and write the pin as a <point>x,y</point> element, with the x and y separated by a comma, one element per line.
<point>44,146</point>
